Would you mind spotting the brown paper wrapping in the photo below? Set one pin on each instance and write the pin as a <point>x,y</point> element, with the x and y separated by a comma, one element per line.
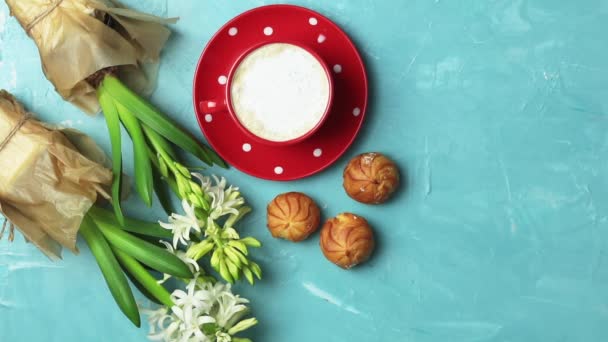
<point>74,43</point>
<point>46,183</point>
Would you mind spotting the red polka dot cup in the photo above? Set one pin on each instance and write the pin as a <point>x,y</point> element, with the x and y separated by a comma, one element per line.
<point>278,93</point>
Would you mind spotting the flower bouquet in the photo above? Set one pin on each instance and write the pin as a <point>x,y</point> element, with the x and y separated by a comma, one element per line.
<point>35,156</point>
<point>90,50</point>
<point>96,53</point>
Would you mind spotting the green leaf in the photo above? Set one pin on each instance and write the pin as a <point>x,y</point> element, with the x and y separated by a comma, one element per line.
<point>217,160</point>
<point>159,141</point>
<point>113,123</point>
<point>158,122</point>
<point>115,278</point>
<point>144,278</point>
<point>156,257</point>
<point>131,225</point>
<point>163,193</point>
<point>143,168</point>
<point>141,288</point>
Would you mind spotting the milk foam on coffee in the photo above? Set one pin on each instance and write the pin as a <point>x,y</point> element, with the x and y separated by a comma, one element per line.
<point>280,92</point>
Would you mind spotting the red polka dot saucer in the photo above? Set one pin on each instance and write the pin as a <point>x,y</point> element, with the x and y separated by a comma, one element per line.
<point>275,24</point>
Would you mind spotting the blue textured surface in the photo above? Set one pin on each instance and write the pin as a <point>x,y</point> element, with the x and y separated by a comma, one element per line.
<point>497,113</point>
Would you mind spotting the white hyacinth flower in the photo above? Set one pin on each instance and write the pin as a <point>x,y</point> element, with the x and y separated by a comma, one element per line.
<point>228,306</point>
<point>187,325</point>
<point>157,320</point>
<point>214,291</point>
<point>224,201</point>
<point>200,304</point>
<point>194,299</point>
<point>181,226</point>
<point>206,181</point>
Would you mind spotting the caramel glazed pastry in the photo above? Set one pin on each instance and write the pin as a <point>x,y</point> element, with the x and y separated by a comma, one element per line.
<point>371,178</point>
<point>293,216</point>
<point>347,240</point>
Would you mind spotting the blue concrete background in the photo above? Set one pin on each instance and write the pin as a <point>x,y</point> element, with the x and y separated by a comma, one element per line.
<point>496,112</point>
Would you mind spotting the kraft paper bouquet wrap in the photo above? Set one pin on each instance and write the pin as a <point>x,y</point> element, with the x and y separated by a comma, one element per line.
<point>99,54</point>
<point>47,184</point>
<point>77,38</point>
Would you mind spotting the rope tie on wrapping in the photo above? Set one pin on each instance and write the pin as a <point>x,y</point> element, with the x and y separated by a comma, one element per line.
<point>24,118</point>
<point>11,134</point>
<point>42,15</point>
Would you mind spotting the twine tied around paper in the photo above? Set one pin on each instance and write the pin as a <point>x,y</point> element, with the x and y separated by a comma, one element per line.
<point>24,118</point>
<point>42,15</point>
<point>7,223</point>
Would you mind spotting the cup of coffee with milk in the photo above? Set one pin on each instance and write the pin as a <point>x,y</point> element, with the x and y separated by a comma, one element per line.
<point>280,93</point>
